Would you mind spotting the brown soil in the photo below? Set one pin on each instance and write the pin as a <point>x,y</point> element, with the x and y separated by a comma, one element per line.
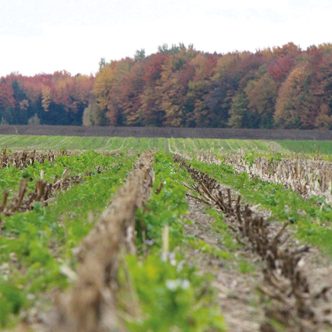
<point>272,134</point>
<point>237,292</point>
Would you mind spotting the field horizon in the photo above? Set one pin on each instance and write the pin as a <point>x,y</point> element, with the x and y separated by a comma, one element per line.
<point>176,132</point>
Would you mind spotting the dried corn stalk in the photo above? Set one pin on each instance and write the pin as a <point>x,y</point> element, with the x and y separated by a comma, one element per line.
<point>90,306</point>
<point>293,304</point>
<point>307,177</point>
<point>25,158</point>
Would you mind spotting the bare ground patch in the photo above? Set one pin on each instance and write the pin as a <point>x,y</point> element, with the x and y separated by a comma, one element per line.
<point>237,292</point>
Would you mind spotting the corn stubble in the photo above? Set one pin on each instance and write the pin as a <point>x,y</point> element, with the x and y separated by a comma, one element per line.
<point>305,176</point>
<point>22,159</point>
<point>91,305</point>
<point>289,302</point>
<point>43,192</point>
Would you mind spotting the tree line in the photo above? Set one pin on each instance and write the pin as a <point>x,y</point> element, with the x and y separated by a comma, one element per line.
<point>281,87</point>
<point>56,99</point>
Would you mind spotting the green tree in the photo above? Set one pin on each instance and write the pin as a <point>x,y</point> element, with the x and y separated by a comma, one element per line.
<point>239,111</point>
<point>140,55</point>
<point>261,94</point>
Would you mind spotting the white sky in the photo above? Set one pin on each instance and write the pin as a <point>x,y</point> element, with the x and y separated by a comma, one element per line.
<point>47,35</point>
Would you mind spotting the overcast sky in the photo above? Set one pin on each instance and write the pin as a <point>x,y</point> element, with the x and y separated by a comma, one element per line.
<point>47,35</point>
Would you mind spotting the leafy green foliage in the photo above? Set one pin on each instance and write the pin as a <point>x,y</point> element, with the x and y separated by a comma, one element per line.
<point>36,244</point>
<point>11,301</point>
<point>72,165</point>
<point>171,294</point>
<point>167,204</point>
<point>313,147</point>
<point>172,297</point>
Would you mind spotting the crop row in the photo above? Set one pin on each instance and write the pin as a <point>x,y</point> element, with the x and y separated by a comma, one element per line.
<point>307,177</point>
<point>151,287</point>
<point>64,165</point>
<point>42,143</point>
<point>312,222</point>
<point>90,302</point>
<point>285,279</point>
<point>26,158</point>
<point>36,246</point>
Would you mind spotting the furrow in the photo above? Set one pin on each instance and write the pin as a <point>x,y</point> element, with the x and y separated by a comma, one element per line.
<point>234,276</point>
<point>290,304</point>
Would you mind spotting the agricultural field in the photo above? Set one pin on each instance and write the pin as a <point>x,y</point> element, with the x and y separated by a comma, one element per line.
<point>164,234</point>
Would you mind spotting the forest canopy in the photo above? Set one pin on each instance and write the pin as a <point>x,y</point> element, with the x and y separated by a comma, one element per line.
<point>281,87</point>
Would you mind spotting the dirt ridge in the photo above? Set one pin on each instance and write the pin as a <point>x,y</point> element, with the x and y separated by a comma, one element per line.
<point>90,306</point>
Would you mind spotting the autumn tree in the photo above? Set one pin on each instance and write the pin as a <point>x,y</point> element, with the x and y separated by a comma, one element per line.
<point>150,110</point>
<point>288,105</point>
<point>7,101</point>
<point>175,76</point>
<point>182,87</point>
<point>261,94</point>
<point>109,88</point>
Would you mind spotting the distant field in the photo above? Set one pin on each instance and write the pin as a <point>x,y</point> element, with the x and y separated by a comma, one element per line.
<point>168,132</point>
<point>319,147</point>
<point>189,145</point>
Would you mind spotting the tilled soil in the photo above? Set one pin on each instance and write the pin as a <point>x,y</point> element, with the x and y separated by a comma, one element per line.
<point>243,133</point>
<point>237,292</point>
